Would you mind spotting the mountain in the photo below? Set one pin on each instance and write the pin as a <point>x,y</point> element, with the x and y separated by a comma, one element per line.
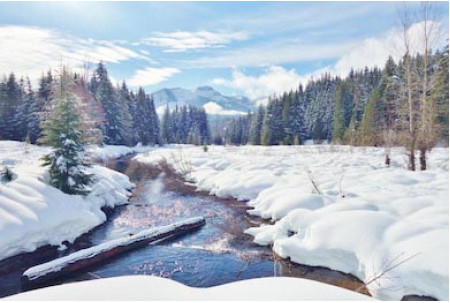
<point>204,96</point>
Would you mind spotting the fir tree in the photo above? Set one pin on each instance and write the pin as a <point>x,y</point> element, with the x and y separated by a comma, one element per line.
<point>62,131</point>
<point>256,126</point>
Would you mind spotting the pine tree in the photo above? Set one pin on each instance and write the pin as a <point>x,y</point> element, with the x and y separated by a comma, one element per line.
<point>440,97</point>
<point>339,125</point>
<point>256,126</point>
<point>62,131</point>
<point>369,131</point>
<point>167,130</point>
<point>118,121</point>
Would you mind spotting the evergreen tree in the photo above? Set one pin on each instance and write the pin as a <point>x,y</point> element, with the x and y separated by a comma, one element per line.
<point>167,130</point>
<point>369,131</point>
<point>256,126</point>
<point>118,121</point>
<point>340,124</point>
<point>62,131</point>
<point>440,98</point>
<point>147,121</point>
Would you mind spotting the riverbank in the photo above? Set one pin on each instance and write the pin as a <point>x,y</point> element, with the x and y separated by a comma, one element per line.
<point>336,206</point>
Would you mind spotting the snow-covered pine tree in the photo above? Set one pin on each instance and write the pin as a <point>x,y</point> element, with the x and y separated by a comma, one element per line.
<point>118,121</point>
<point>62,131</point>
<point>147,121</point>
<point>12,98</point>
<point>167,130</point>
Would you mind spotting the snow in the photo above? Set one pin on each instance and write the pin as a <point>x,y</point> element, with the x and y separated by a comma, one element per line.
<point>58,264</point>
<point>35,214</point>
<point>106,152</point>
<point>366,217</point>
<point>146,288</point>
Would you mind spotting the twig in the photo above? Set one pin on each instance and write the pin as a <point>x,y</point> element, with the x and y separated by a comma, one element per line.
<point>389,267</point>
<point>340,185</point>
<point>313,182</point>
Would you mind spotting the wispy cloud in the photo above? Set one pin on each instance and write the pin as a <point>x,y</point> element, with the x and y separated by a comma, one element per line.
<point>274,53</point>
<point>151,76</point>
<point>182,41</point>
<point>30,50</point>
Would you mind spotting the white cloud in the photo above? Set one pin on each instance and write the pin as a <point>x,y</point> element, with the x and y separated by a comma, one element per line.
<point>212,108</point>
<point>151,76</point>
<point>274,80</point>
<point>182,41</point>
<point>373,52</point>
<point>31,50</point>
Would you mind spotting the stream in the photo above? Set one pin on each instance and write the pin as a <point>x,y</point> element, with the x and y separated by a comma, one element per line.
<point>216,254</point>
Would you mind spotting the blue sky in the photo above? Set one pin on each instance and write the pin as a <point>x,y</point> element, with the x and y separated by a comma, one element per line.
<point>243,48</point>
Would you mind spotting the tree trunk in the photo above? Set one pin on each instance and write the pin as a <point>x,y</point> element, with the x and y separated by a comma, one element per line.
<point>412,155</point>
<point>423,159</point>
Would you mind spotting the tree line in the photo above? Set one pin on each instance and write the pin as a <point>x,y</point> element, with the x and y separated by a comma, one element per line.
<point>374,107</point>
<point>110,114</point>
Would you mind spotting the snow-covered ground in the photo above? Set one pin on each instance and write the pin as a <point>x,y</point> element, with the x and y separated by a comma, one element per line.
<point>386,225</point>
<point>147,288</point>
<point>34,214</point>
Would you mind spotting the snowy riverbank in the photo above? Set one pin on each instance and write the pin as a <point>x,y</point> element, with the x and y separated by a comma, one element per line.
<point>34,214</point>
<point>337,207</point>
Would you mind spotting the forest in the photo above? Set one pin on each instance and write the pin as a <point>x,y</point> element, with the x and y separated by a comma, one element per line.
<point>392,106</point>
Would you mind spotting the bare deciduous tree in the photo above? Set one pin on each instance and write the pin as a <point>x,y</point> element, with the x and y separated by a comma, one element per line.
<point>406,20</point>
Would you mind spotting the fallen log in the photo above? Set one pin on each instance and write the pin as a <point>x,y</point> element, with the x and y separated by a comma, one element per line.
<point>90,256</point>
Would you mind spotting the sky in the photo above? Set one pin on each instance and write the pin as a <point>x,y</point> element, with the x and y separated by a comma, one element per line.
<point>253,49</point>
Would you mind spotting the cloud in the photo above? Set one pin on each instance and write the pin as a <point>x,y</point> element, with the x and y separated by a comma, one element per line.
<point>373,52</point>
<point>151,76</point>
<point>273,53</point>
<point>274,80</point>
<point>182,41</point>
<point>213,108</point>
<point>31,50</point>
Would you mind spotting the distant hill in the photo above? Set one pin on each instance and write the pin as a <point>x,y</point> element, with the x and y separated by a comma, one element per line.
<point>204,96</point>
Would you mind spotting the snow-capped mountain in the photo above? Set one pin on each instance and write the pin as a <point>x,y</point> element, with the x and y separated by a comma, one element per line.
<point>204,96</point>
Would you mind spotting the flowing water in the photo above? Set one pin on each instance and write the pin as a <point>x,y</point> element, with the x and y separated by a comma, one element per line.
<point>216,254</point>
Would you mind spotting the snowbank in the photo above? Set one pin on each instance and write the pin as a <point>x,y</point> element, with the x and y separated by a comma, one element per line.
<point>146,288</point>
<point>363,218</point>
<point>34,214</point>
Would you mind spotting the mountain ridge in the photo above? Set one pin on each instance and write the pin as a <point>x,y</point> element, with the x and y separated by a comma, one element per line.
<point>204,96</point>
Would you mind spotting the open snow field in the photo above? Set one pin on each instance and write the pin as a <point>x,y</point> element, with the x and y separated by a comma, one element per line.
<point>337,207</point>
<point>34,214</point>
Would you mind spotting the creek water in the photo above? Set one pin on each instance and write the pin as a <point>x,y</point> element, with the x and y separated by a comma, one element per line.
<point>218,253</point>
